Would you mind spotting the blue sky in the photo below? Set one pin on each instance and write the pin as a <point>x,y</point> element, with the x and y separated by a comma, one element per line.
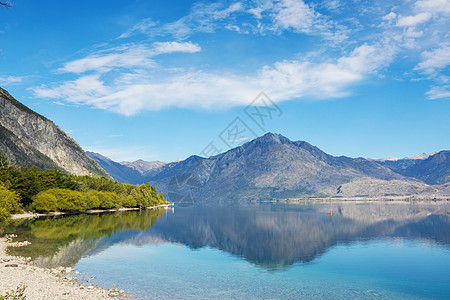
<point>161,80</point>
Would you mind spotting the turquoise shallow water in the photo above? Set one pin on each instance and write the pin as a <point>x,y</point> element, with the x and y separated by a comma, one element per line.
<point>382,269</point>
<point>360,251</point>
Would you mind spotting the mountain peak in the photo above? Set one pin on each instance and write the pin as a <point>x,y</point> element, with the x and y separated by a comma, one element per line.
<point>273,138</point>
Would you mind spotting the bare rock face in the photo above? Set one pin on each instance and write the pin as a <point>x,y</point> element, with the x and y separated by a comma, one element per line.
<point>27,130</point>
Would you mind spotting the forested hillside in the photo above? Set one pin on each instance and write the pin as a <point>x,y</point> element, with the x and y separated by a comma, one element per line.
<point>53,190</point>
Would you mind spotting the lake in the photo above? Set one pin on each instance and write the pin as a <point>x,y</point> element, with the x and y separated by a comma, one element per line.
<point>266,251</point>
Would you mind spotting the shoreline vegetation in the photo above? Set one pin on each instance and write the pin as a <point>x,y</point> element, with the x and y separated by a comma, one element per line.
<point>29,215</point>
<point>28,189</point>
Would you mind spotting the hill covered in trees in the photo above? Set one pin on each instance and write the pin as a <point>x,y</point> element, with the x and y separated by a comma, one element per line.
<point>53,190</point>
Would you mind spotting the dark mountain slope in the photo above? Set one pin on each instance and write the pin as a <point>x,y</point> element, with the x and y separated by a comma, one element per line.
<point>30,138</point>
<point>433,170</point>
<point>119,172</point>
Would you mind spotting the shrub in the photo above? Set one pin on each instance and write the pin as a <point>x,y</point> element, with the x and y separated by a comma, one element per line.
<point>45,201</point>
<point>91,200</point>
<point>107,199</point>
<point>17,294</point>
<point>9,202</point>
<point>59,199</point>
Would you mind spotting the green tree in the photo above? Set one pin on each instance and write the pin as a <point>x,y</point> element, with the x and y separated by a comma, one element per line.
<point>9,202</point>
<point>45,201</point>
<point>52,190</point>
<point>25,182</point>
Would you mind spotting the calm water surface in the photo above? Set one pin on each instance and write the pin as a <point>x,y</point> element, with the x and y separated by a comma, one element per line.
<point>360,251</point>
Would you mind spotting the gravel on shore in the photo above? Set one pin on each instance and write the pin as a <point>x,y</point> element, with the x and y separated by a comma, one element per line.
<point>30,215</point>
<point>41,283</point>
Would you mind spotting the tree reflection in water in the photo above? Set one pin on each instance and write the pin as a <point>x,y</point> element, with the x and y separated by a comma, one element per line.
<point>268,235</point>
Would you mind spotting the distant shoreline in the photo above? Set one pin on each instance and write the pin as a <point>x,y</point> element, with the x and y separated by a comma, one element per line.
<point>386,199</point>
<point>89,212</point>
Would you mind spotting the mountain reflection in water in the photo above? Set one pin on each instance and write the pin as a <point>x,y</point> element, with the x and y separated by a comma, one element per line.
<point>271,236</point>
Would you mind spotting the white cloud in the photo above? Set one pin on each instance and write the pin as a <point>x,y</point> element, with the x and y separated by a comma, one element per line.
<point>291,14</point>
<point>433,6</point>
<point>241,139</point>
<point>126,81</point>
<point>413,20</point>
<point>142,27</point>
<point>333,5</point>
<point>299,17</point>
<point>285,80</point>
<point>84,90</point>
<point>368,59</point>
<point>259,8</point>
<point>435,60</point>
<point>8,80</point>
<point>269,16</point>
<point>171,47</point>
<point>123,57</point>
<point>439,92</point>
<point>390,16</point>
<point>127,56</point>
<point>204,17</point>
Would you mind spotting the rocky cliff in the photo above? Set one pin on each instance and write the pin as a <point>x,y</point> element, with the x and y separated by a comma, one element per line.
<point>28,138</point>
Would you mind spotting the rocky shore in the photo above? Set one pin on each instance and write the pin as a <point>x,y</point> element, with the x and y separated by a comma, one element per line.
<point>40,283</point>
<point>30,215</point>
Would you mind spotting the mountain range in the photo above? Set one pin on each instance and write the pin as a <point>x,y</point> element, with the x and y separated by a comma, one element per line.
<point>266,168</point>
<point>431,169</point>
<point>272,166</point>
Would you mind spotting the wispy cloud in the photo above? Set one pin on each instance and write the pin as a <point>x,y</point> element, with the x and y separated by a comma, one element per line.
<point>241,139</point>
<point>302,18</point>
<point>125,81</point>
<point>84,90</point>
<point>9,80</point>
<point>123,57</point>
<point>127,56</point>
<point>433,6</point>
<point>413,20</point>
<point>390,16</point>
<point>204,17</point>
<point>142,27</point>
<point>269,17</point>
<point>171,47</point>
<point>439,92</point>
<point>284,80</point>
<point>435,60</point>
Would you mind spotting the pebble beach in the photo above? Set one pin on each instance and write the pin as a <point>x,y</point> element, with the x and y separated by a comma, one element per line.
<point>41,283</point>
